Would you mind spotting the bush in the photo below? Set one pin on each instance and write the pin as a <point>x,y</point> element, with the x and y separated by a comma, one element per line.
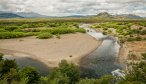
<point>8,35</point>
<point>66,73</point>
<point>58,36</point>
<point>31,75</point>
<point>3,30</point>
<point>44,35</point>
<point>87,81</point>
<point>137,74</point>
<point>1,56</point>
<point>6,65</point>
<point>11,28</point>
<point>144,56</point>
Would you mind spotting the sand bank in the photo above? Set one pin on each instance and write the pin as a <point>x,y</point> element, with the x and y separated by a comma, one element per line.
<point>71,47</point>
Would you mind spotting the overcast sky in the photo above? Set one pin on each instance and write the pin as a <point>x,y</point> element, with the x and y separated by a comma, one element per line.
<point>75,7</point>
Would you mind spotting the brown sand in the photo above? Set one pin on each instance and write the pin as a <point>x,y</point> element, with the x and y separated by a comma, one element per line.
<point>71,47</point>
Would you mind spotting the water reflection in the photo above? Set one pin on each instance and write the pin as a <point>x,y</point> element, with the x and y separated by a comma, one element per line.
<point>104,59</point>
<point>25,61</point>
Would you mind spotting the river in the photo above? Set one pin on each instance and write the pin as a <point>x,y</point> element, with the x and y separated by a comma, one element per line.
<point>101,61</point>
<point>104,59</point>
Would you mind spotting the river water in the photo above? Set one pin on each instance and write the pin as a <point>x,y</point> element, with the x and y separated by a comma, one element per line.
<point>26,61</point>
<point>104,59</point>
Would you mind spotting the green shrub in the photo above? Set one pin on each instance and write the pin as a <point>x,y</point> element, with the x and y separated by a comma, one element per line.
<point>1,56</point>
<point>63,30</point>
<point>66,73</point>
<point>44,35</point>
<point>3,30</point>
<point>8,35</point>
<point>11,28</point>
<point>143,32</point>
<point>31,75</point>
<point>144,56</point>
<point>58,36</point>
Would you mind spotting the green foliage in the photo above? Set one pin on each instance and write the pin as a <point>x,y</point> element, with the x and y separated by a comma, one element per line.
<point>107,79</point>
<point>130,82</point>
<point>143,32</point>
<point>144,56</point>
<point>8,35</point>
<point>21,29</point>
<point>66,73</point>
<point>12,77</point>
<point>31,75</point>
<point>2,30</point>
<point>137,74</point>
<point>45,35</point>
<point>6,65</point>
<point>87,81</point>
<point>58,36</point>
<point>11,28</point>
<point>55,31</point>
<point>1,56</point>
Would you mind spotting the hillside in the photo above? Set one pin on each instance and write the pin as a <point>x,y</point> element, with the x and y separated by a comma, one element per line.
<point>105,15</point>
<point>9,15</point>
<point>30,15</point>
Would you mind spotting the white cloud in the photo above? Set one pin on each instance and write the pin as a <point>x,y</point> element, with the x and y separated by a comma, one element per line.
<point>70,7</point>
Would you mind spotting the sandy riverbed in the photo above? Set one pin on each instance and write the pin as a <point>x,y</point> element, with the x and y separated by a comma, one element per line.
<point>71,47</point>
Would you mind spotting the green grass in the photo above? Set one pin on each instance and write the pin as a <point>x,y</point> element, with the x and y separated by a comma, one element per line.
<point>123,29</point>
<point>10,29</point>
<point>55,31</point>
<point>8,35</point>
<point>44,35</point>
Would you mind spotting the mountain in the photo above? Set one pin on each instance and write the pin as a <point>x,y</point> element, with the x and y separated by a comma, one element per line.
<point>105,15</point>
<point>9,15</point>
<point>130,16</point>
<point>31,15</point>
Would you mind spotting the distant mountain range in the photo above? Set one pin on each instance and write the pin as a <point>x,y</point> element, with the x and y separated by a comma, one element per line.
<point>9,15</point>
<point>30,15</point>
<point>105,15</point>
<point>102,15</point>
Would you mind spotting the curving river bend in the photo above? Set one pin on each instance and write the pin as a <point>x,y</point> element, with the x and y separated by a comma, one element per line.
<point>104,59</point>
<point>100,62</point>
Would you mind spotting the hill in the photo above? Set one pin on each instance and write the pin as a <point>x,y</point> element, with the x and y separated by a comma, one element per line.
<point>105,15</point>
<point>9,15</point>
<point>31,15</point>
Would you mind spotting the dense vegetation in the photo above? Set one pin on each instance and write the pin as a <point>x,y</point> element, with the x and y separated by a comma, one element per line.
<point>40,29</point>
<point>126,31</point>
<point>66,73</point>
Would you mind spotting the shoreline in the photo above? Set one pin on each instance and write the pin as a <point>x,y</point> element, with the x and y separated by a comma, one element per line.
<point>71,47</point>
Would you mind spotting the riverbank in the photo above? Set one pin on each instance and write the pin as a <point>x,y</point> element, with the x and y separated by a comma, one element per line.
<point>71,47</point>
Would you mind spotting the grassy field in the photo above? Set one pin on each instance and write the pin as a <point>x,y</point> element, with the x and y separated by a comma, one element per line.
<point>125,31</point>
<point>41,29</point>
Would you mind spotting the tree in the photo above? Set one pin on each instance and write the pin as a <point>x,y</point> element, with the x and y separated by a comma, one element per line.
<point>1,56</point>
<point>11,77</point>
<point>6,65</point>
<point>31,75</point>
<point>66,73</point>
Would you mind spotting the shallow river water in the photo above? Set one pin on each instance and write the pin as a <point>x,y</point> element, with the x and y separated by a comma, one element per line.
<point>104,59</point>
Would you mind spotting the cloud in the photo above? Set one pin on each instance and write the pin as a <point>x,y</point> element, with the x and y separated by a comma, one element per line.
<point>78,7</point>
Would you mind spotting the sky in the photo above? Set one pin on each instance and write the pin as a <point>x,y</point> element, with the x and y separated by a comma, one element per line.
<point>75,7</point>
